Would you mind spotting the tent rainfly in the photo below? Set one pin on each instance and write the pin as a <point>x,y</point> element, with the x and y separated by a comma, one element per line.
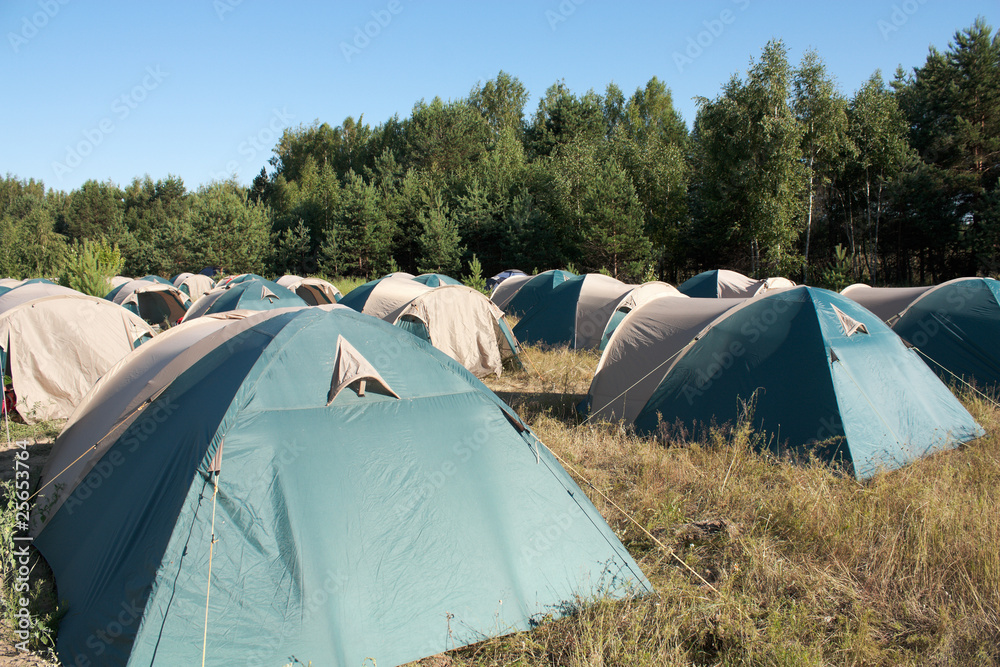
<point>516,297</point>
<point>314,291</point>
<point>56,342</point>
<point>155,301</point>
<point>436,279</point>
<point>575,313</point>
<point>637,296</point>
<point>253,294</point>
<point>309,482</point>
<point>195,285</point>
<point>726,284</point>
<point>458,320</point>
<point>823,374</point>
<point>886,302</point>
<point>955,326</point>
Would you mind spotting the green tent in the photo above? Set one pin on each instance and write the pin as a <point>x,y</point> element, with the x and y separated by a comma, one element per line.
<point>436,279</point>
<point>956,326</point>
<point>531,291</point>
<point>355,494</point>
<point>575,313</point>
<point>827,375</point>
<point>253,294</point>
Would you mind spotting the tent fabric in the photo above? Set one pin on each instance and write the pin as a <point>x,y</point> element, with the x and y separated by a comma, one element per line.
<point>118,281</point>
<point>458,320</point>
<point>493,281</point>
<point>637,296</point>
<point>575,313</point>
<point>57,342</point>
<point>726,284</point>
<point>886,302</point>
<point>505,291</point>
<point>641,348</point>
<point>956,326</point>
<point>153,301</point>
<point>314,291</point>
<point>436,279</point>
<point>865,400</point>
<point>374,527</point>
<point>254,294</point>
<point>533,290</point>
<point>195,285</point>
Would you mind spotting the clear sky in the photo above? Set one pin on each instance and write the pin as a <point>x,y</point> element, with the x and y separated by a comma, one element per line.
<point>201,89</point>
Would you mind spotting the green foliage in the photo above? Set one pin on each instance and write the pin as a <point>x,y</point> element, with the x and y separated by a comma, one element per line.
<point>839,274</point>
<point>475,278</point>
<point>15,587</point>
<point>440,251</point>
<point>780,168</point>
<point>90,267</point>
<point>232,232</point>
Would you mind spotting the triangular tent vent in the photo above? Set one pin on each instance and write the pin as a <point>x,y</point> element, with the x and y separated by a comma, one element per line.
<point>265,293</point>
<point>851,326</point>
<point>351,368</point>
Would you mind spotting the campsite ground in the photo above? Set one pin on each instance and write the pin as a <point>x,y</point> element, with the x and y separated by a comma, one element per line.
<point>757,560</point>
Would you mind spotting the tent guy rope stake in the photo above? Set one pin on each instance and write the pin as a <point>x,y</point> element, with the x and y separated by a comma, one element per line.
<point>211,551</point>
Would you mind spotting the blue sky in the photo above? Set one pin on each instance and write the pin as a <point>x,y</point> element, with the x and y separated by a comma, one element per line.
<point>202,89</point>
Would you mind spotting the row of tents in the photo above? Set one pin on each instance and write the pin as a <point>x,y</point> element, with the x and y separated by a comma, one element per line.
<point>326,484</point>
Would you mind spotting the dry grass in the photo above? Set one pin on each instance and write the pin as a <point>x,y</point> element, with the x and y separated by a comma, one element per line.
<point>759,561</point>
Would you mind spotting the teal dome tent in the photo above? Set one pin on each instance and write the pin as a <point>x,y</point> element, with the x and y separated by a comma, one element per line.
<point>825,375</point>
<point>354,493</point>
<point>253,294</point>
<point>956,327</point>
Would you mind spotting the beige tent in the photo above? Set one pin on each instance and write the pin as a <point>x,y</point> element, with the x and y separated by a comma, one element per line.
<point>657,330</point>
<point>153,301</point>
<point>57,343</point>
<point>885,302</point>
<point>119,280</point>
<point>10,282</point>
<point>315,291</point>
<point>195,285</point>
<point>636,297</point>
<point>458,320</point>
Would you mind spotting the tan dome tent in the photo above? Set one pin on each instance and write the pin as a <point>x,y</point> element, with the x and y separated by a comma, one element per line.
<point>314,291</point>
<point>458,320</point>
<point>658,330</point>
<point>155,302</point>
<point>56,342</point>
<point>118,281</point>
<point>195,285</point>
<point>885,302</point>
<point>638,296</point>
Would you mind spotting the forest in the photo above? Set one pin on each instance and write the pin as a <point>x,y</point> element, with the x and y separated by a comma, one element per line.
<point>781,173</point>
